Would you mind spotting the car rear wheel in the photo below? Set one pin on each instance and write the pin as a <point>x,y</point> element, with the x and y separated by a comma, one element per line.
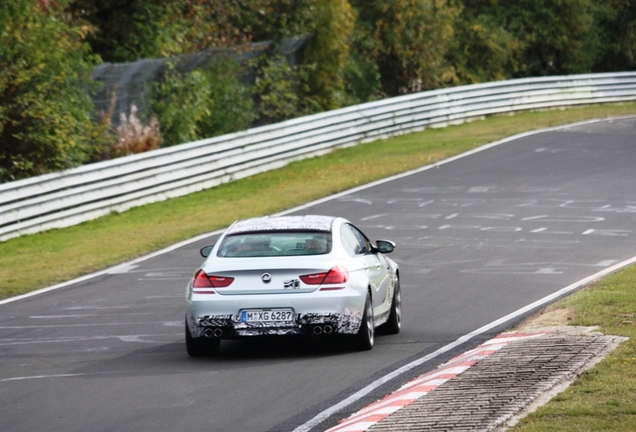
<point>394,324</point>
<point>200,347</point>
<point>366,335</point>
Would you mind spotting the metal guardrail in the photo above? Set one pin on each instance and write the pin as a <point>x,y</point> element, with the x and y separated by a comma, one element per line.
<point>76,195</point>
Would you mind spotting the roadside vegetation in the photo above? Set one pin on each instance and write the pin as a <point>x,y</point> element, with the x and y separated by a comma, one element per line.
<point>35,261</point>
<point>604,397</point>
<point>87,80</point>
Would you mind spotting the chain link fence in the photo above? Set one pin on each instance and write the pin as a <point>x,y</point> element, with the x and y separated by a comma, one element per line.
<point>125,84</point>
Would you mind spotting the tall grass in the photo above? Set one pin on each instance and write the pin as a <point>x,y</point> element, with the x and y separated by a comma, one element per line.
<point>134,136</point>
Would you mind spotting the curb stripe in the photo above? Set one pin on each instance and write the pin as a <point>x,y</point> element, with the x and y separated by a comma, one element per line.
<point>424,384</point>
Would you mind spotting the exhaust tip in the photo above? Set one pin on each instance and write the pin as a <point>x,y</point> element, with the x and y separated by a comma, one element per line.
<point>213,333</point>
<point>327,329</point>
<point>317,330</point>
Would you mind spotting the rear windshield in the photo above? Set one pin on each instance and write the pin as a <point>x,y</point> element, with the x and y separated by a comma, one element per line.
<point>287,243</point>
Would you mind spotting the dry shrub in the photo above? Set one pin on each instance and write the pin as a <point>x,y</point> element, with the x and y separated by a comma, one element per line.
<point>134,136</point>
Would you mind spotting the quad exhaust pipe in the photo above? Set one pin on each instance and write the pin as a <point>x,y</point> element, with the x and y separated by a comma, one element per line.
<point>317,330</point>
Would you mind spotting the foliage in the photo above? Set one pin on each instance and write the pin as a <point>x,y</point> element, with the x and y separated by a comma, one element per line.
<point>201,103</point>
<point>397,46</point>
<point>277,87</point>
<point>358,50</point>
<point>126,30</point>
<point>225,23</point>
<point>103,138</point>
<point>45,111</point>
<point>181,102</point>
<point>617,28</point>
<point>328,53</point>
<point>363,82</point>
<point>408,39</point>
<point>501,40</point>
<point>231,106</point>
<point>483,50</point>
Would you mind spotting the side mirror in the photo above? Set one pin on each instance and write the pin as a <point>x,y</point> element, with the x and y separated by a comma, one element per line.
<point>205,251</point>
<point>385,246</point>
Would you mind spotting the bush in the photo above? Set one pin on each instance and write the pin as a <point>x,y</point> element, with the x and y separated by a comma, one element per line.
<point>202,103</point>
<point>232,107</point>
<point>180,102</point>
<point>277,88</point>
<point>45,111</point>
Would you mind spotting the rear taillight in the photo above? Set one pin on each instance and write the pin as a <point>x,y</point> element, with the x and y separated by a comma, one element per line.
<point>336,275</point>
<point>220,281</point>
<point>313,279</point>
<point>202,280</point>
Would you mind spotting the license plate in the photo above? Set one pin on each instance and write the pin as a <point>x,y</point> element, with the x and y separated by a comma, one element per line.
<point>267,315</point>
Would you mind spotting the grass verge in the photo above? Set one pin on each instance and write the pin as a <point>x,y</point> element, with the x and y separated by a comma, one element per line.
<point>604,397</point>
<point>35,261</point>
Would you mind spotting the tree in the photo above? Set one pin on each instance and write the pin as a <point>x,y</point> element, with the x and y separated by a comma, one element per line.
<point>201,103</point>
<point>277,87</point>
<point>45,110</point>
<point>483,50</point>
<point>127,30</point>
<point>527,38</point>
<point>328,53</point>
<point>408,40</point>
<point>617,28</point>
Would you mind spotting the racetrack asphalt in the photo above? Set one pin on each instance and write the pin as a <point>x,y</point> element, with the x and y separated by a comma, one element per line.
<point>484,240</point>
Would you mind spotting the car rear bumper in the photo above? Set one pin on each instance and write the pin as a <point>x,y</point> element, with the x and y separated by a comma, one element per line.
<point>316,324</point>
<point>320,313</point>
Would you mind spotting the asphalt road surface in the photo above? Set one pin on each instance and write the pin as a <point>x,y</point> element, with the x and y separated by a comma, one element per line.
<point>479,238</point>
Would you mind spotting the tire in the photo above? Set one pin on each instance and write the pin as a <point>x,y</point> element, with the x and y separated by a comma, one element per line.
<point>200,347</point>
<point>366,334</point>
<point>394,324</point>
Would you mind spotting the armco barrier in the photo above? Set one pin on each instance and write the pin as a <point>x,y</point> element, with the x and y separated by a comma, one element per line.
<point>76,195</point>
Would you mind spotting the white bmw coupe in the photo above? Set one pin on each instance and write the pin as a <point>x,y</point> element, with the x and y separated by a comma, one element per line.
<point>318,276</point>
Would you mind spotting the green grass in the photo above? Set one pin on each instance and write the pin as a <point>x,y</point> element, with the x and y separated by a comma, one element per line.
<point>604,397</point>
<point>39,260</point>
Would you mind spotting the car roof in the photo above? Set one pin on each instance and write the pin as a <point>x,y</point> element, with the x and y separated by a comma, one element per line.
<point>282,223</point>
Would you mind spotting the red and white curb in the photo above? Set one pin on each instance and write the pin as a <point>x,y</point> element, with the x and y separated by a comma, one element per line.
<point>413,390</point>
